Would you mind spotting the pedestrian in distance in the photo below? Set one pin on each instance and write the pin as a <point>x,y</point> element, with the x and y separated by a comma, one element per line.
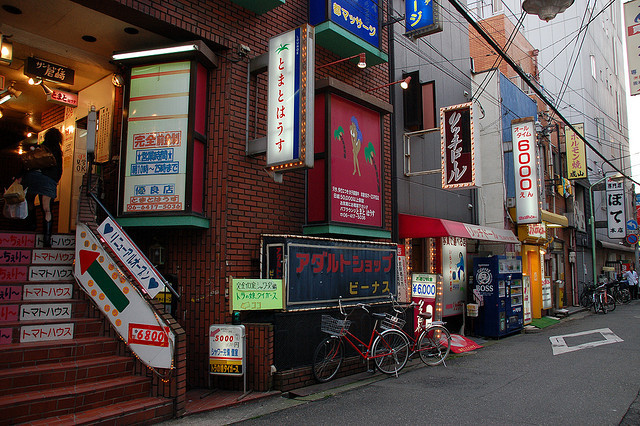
<point>632,279</point>
<point>44,183</point>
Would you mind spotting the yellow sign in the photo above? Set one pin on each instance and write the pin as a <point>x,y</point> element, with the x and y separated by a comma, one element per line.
<point>253,294</point>
<point>163,297</point>
<point>225,367</point>
<point>576,155</point>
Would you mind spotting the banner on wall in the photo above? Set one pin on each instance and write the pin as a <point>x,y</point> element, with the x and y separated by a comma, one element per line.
<point>576,155</point>
<point>356,164</point>
<point>290,103</point>
<point>457,146</point>
<point>526,170</point>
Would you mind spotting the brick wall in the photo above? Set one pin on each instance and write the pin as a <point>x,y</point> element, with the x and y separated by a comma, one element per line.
<point>242,202</point>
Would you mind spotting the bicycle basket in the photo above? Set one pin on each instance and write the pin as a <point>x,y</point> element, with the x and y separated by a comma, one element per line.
<point>391,321</point>
<point>334,326</point>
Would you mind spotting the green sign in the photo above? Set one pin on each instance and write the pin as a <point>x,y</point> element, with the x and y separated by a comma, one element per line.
<point>253,294</point>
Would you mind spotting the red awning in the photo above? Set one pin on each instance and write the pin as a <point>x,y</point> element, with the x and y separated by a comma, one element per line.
<point>429,227</point>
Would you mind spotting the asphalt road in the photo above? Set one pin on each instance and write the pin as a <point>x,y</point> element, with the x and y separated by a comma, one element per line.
<point>592,377</point>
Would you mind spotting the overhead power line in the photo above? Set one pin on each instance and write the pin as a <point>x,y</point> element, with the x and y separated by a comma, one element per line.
<point>533,87</point>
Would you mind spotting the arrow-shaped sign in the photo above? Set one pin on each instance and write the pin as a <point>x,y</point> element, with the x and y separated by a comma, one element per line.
<point>89,264</point>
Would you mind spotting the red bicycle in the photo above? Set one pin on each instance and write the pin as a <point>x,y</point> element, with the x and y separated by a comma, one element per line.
<point>389,348</point>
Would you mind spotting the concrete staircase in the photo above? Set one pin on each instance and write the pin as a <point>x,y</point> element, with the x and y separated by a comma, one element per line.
<point>60,364</point>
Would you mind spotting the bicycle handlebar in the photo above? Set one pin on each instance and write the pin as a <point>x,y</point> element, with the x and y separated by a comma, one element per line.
<point>362,306</point>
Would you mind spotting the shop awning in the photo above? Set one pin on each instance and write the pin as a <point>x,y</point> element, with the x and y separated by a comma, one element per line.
<point>554,219</point>
<point>620,247</point>
<point>428,227</point>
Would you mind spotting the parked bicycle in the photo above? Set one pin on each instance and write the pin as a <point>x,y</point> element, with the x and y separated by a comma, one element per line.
<point>389,349</point>
<point>586,297</point>
<point>599,298</point>
<point>434,341</point>
<point>619,291</point>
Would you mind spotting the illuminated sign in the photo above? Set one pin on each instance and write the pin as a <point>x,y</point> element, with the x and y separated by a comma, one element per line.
<point>63,98</point>
<point>526,171</point>
<point>457,146</point>
<point>616,218</point>
<point>290,106</point>
<point>422,17</point>
<point>155,167</point>
<point>454,275</point>
<point>359,17</point>
<point>34,67</point>
<point>576,156</point>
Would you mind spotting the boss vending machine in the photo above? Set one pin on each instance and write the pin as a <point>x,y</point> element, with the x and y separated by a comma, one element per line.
<point>498,287</point>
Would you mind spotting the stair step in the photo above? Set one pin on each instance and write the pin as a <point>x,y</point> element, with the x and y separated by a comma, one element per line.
<point>139,411</point>
<point>61,401</point>
<point>19,355</point>
<point>59,374</point>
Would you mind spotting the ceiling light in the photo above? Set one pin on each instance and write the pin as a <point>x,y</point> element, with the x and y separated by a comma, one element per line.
<point>546,9</point>
<point>5,98</point>
<point>154,52</point>
<point>6,50</point>
<point>1,114</point>
<point>35,81</point>
<point>117,80</point>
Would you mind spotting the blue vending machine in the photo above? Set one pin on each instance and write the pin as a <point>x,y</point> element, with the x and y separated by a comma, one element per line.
<point>497,285</point>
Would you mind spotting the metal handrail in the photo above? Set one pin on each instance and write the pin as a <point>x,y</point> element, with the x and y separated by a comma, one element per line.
<point>104,209</point>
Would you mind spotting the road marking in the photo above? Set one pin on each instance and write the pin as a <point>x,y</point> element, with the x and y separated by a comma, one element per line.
<point>604,336</point>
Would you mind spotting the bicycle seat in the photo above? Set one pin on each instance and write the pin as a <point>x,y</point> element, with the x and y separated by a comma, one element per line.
<point>378,316</point>
<point>425,315</point>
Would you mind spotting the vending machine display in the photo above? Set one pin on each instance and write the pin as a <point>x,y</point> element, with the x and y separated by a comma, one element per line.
<point>498,286</point>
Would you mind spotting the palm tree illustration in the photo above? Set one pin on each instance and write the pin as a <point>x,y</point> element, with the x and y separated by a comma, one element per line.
<point>369,155</point>
<point>337,133</point>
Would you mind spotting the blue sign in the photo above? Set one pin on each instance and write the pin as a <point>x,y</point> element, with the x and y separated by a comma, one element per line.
<point>632,239</point>
<point>359,17</point>
<point>637,199</point>
<point>632,225</point>
<point>421,18</point>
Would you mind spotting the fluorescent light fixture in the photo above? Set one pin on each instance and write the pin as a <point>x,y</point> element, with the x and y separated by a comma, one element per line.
<point>154,52</point>
<point>5,98</point>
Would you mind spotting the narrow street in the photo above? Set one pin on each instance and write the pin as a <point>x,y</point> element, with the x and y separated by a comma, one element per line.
<point>514,380</point>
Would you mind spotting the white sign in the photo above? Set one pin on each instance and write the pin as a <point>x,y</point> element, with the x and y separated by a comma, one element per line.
<point>290,106</point>
<point>226,349</point>
<point>146,334</point>
<point>616,218</point>
<point>424,285</point>
<point>454,277</point>
<point>537,230</point>
<point>632,26</point>
<point>46,332</point>
<point>526,301</point>
<point>129,254</point>
<point>526,171</point>
<point>547,302</point>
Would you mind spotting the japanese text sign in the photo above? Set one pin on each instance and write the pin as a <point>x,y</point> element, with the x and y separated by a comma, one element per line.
<point>226,349</point>
<point>355,193</point>
<point>632,24</point>
<point>422,18</point>
<point>129,254</point>
<point>319,271</point>
<point>616,218</point>
<point>526,171</point>
<point>424,285</point>
<point>156,152</point>
<point>290,105</point>
<point>359,17</point>
<point>252,294</point>
<point>576,156</point>
<point>454,275</point>
<point>34,67</point>
<point>457,146</point>
<point>63,98</point>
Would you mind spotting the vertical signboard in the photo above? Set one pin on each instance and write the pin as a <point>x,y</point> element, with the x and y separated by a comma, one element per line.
<point>355,188</point>
<point>457,146</point>
<point>454,287</point>
<point>422,17</point>
<point>576,155</point>
<point>155,168</point>
<point>616,218</point>
<point>632,24</point>
<point>526,171</point>
<point>290,107</point>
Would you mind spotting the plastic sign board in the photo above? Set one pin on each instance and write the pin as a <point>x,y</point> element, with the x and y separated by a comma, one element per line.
<point>457,146</point>
<point>146,334</point>
<point>252,294</point>
<point>227,349</point>
<point>616,218</point>
<point>290,101</point>
<point>632,24</point>
<point>424,285</point>
<point>422,17</point>
<point>359,17</point>
<point>454,276</point>
<point>526,171</point>
<point>131,256</point>
<point>63,98</point>
<point>576,154</point>
<point>156,149</point>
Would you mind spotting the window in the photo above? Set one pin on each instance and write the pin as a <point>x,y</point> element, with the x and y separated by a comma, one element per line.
<point>594,74</point>
<point>497,6</point>
<point>419,102</point>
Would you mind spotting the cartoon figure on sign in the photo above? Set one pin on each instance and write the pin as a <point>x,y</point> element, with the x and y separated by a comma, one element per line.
<point>356,144</point>
<point>458,275</point>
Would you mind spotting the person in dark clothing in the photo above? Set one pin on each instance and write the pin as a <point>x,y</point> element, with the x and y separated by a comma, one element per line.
<point>44,183</point>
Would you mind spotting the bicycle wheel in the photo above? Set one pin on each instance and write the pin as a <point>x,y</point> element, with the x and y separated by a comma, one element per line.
<point>596,304</point>
<point>602,303</point>
<point>327,359</point>
<point>585,300</point>
<point>611,303</point>
<point>434,345</point>
<point>625,296</point>
<point>391,350</point>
